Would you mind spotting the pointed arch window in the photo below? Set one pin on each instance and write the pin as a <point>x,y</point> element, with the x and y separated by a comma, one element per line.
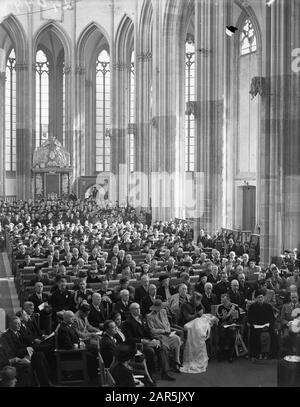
<point>10,113</point>
<point>63,105</point>
<point>103,119</point>
<point>42,98</point>
<point>189,97</point>
<point>248,42</point>
<point>131,114</point>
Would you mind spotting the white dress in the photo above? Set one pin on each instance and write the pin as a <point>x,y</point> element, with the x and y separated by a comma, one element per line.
<point>195,359</point>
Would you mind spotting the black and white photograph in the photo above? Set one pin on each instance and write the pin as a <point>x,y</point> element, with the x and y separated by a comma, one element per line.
<point>149,196</point>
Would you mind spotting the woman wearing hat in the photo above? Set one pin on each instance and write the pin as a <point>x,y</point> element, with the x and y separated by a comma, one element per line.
<point>165,291</point>
<point>84,329</point>
<point>121,371</point>
<point>160,328</point>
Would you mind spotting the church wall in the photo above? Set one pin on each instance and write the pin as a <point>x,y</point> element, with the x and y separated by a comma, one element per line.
<point>11,186</point>
<point>225,149</point>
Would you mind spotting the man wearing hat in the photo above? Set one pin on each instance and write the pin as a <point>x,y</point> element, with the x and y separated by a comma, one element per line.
<point>165,291</point>
<point>160,328</point>
<point>199,287</point>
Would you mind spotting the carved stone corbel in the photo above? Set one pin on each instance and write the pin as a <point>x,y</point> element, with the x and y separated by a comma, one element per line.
<point>131,128</point>
<point>258,86</point>
<point>192,108</point>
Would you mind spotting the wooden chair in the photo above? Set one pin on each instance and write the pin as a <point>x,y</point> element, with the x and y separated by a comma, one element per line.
<point>105,377</point>
<point>68,362</point>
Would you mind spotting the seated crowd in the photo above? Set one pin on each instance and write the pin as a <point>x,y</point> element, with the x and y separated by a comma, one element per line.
<point>103,278</point>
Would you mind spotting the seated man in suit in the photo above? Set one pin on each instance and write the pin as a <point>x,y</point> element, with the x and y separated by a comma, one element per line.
<point>175,302</point>
<point>24,370</point>
<point>208,298</point>
<point>38,298</point>
<point>222,286</point>
<point>123,285</point>
<point>108,342</point>
<point>122,306</point>
<point>148,300</point>
<point>61,299</point>
<point>40,277</point>
<point>32,323</point>
<point>82,293</point>
<point>244,287</point>
<point>68,339</point>
<point>143,289</point>
<point>137,330</point>
<point>97,314</point>
<point>16,348</point>
<point>106,296</point>
<point>236,297</point>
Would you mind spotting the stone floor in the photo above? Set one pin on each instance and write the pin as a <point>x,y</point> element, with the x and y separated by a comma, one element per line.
<point>241,373</point>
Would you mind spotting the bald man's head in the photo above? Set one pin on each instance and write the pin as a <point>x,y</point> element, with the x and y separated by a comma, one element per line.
<point>68,317</point>
<point>134,309</point>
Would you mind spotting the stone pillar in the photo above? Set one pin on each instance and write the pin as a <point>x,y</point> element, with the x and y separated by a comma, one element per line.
<point>119,145</point>
<point>279,144</point>
<point>2,133</point>
<point>68,96</point>
<point>84,156</point>
<point>144,129</point>
<point>167,121</point>
<point>23,136</point>
<point>210,22</point>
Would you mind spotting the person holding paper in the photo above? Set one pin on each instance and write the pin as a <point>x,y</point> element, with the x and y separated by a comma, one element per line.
<point>228,315</point>
<point>17,349</point>
<point>42,307</point>
<point>261,319</point>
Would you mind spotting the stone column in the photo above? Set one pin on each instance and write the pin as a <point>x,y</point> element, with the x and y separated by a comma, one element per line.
<point>83,159</point>
<point>2,133</point>
<point>119,145</point>
<point>167,121</point>
<point>210,22</point>
<point>279,144</point>
<point>68,96</point>
<point>144,95</point>
<point>23,136</point>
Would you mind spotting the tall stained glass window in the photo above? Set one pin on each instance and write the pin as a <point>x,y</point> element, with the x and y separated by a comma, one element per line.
<point>10,113</point>
<point>131,114</point>
<point>189,97</point>
<point>103,121</point>
<point>42,98</point>
<point>248,39</point>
